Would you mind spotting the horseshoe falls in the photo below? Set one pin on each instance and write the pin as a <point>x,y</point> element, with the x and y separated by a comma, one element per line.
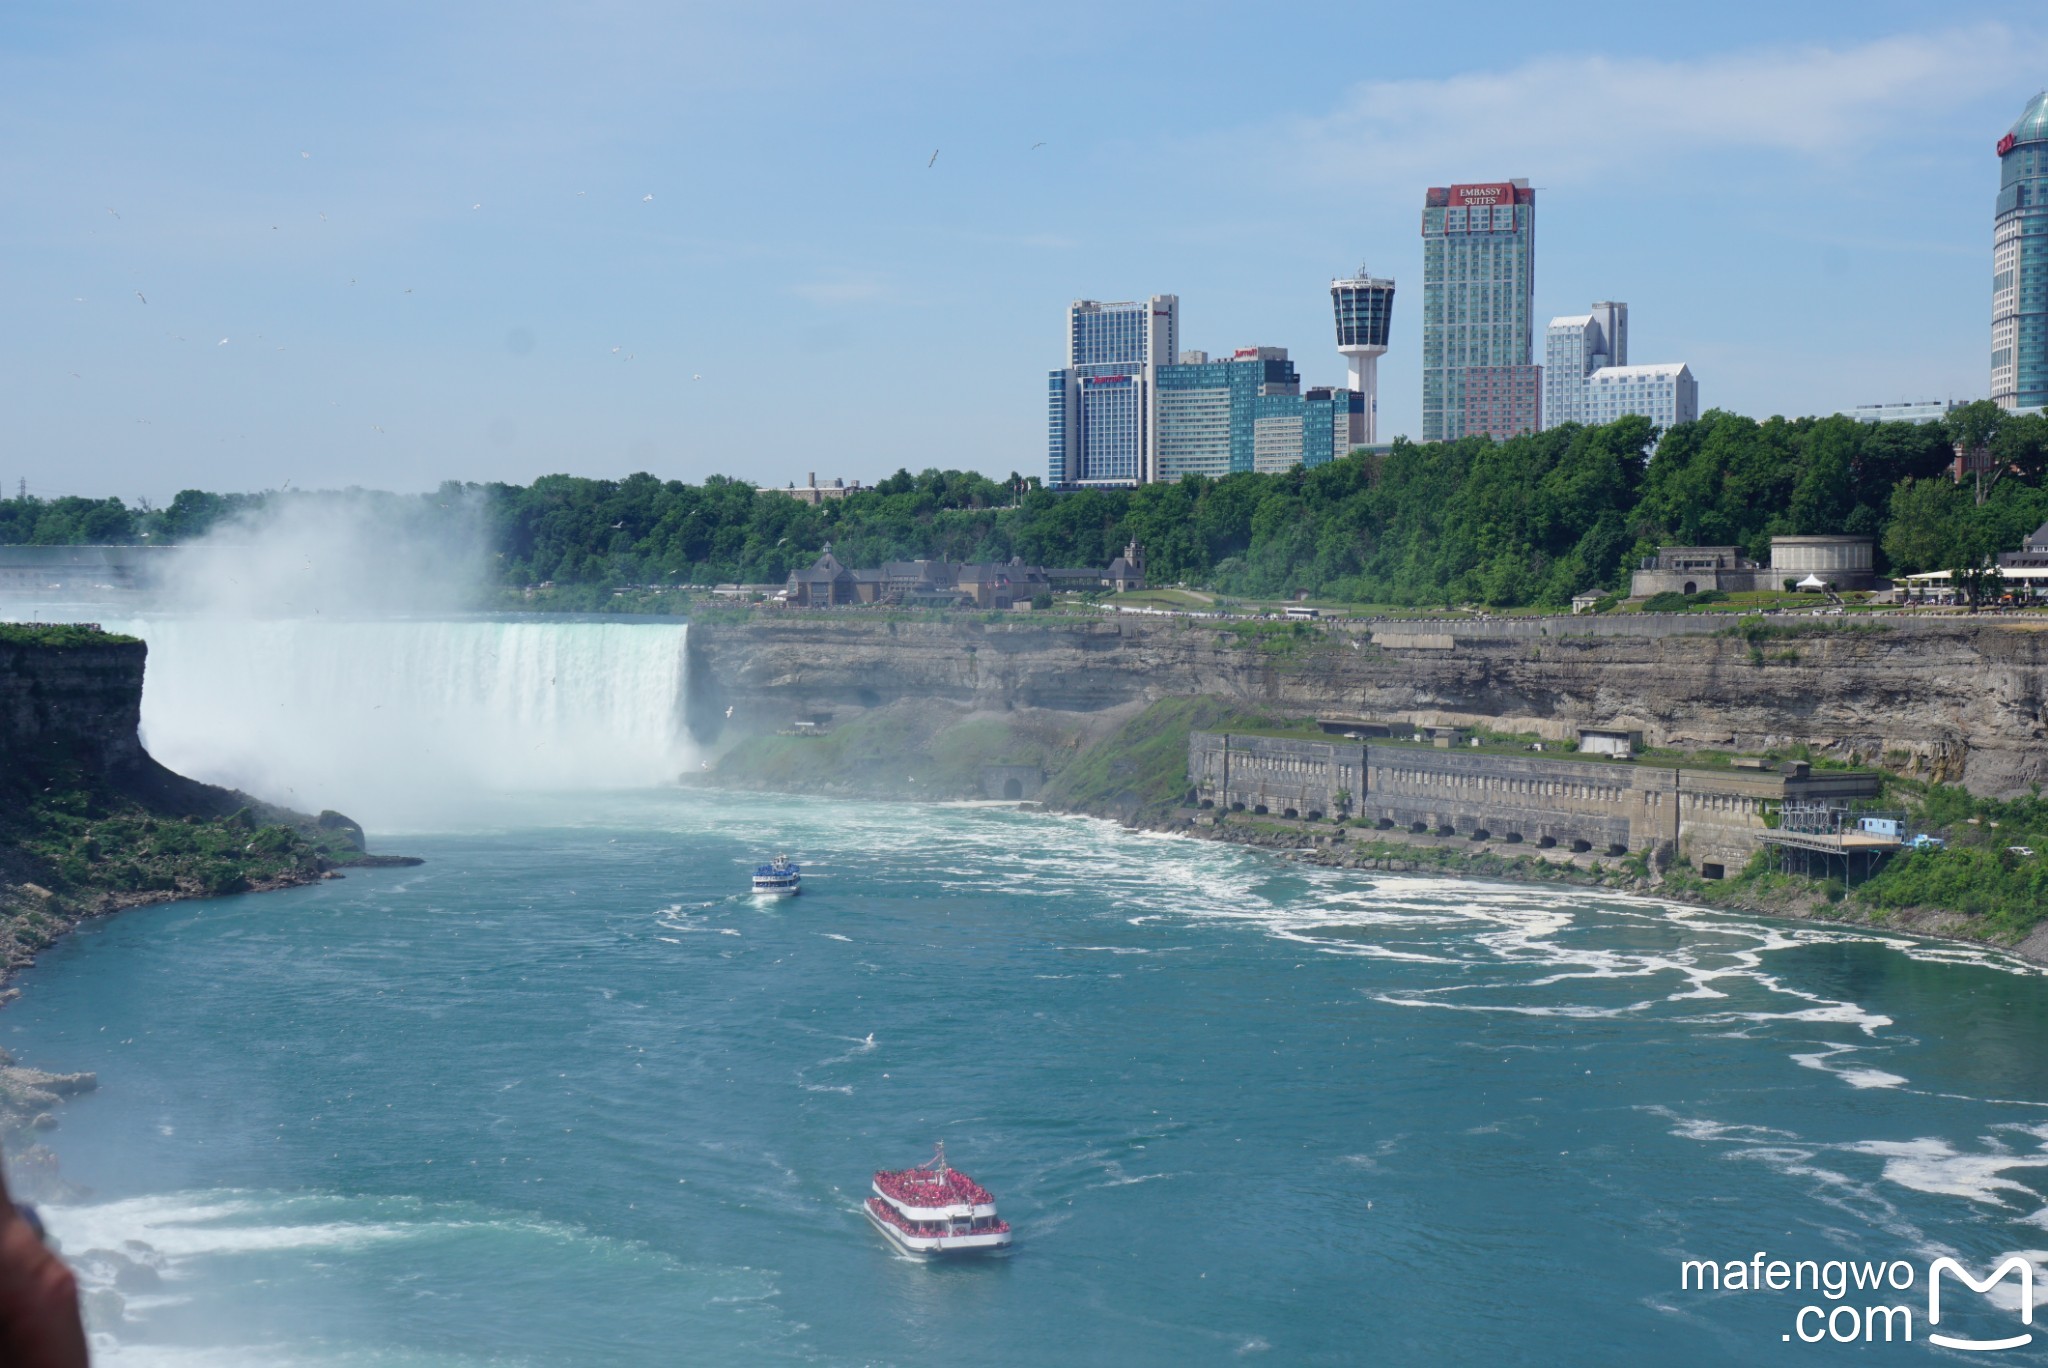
<point>391,721</point>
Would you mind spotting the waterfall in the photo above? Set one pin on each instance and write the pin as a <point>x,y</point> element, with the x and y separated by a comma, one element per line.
<point>378,718</point>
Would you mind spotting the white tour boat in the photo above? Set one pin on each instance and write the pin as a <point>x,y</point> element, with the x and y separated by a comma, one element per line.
<point>935,1209</point>
<point>778,878</point>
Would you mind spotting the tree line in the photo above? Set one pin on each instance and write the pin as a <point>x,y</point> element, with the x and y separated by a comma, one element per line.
<point>1531,520</point>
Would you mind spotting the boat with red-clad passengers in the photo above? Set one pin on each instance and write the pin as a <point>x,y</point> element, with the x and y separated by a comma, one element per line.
<point>935,1209</point>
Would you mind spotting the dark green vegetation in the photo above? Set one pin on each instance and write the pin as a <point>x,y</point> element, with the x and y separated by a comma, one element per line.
<point>57,635</point>
<point>1978,873</point>
<point>1529,521</point>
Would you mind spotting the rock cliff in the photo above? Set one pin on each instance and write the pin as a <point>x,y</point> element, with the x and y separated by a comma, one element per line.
<point>1950,698</point>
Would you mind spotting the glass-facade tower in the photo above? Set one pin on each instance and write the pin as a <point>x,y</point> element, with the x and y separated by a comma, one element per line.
<point>2019,263</point>
<point>1478,306</point>
<point>1099,405</point>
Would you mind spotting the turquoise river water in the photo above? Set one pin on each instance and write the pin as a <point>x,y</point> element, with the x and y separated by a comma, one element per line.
<point>566,1094</point>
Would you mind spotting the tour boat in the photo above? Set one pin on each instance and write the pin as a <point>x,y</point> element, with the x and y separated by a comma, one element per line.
<point>778,878</point>
<point>935,1209</point>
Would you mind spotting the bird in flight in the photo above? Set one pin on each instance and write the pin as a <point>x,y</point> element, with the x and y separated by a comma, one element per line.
<point>1035,146</point>
<point>305,156</point>
<point>619,524</point>
<point>647,199</point>
<point>935,156</point>
<point>476,206</point>
<point>696,377</point>
<point>222,343</point>
<point>139,295</point>
<point>110,209</point>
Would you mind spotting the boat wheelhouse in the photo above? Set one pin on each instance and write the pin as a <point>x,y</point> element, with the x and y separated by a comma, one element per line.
<point>778,878</point>
<point>935,1209</point>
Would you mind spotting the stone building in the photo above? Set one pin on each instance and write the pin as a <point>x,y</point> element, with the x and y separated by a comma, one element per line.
<point>1710,816</point>
<point>827,583</point>
<point>1844,562</point>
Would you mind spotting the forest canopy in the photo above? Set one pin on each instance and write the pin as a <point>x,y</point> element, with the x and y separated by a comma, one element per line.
<point>1531,520</point>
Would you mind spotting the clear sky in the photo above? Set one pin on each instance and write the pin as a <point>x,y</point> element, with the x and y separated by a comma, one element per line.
<point>391,244</point>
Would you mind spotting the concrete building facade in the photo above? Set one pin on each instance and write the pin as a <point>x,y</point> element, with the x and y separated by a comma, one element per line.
<point>1712,817</point>
<point>1847,563</point>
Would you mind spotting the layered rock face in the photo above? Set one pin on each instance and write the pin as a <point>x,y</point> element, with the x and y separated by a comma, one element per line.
<point>81,703</point>
<point>1948,698</point>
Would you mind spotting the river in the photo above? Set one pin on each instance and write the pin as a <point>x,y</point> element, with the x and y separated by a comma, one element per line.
<point>567,1094</point>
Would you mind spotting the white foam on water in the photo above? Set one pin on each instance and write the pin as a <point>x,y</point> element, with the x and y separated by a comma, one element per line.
<point>1935,1165</point>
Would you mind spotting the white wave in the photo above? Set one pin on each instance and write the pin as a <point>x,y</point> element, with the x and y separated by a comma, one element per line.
<point>1935,1165</point>
<point>185,1225</point>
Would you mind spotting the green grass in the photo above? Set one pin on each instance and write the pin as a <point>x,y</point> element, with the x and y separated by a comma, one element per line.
<point>59,635</point>
<point>1140,772</point>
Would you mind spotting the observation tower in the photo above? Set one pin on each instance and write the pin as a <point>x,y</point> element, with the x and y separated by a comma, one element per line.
<point>1364,305</point>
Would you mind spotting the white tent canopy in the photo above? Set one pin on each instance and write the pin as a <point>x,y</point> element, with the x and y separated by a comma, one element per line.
<point>1811,582</point>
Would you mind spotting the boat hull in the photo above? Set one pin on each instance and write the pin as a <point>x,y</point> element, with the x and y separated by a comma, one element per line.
<point>777,890</point>
<point>936,1246</point>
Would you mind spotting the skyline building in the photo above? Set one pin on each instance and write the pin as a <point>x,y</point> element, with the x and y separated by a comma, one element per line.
<point>1575,346</point>
<point>1478,306</point>
<point>1099,405</point>
<point>1666,394</point>
<point>1219,416</point>
<point>1587,377</point>
<point>2019,263</point>
<point>1364,308</point>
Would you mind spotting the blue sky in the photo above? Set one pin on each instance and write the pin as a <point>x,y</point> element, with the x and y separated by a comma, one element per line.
<point>427,236</point>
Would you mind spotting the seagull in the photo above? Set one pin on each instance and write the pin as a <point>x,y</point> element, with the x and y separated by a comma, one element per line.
<point>408,289</point>
<point>476,206</point>
<point>728,712</point>
<point>1035,146</point>
<point>139,295</point>
<point>305,156</point>
<point>351,280</point>
<point>222,343</point>
<point>935,157</point>
<point>870,1040</point>
<point>696,377</point>
<point>110,209</point>
<point>579,192</point>
<point>323,218</point>
<point>647,199</point>
<point>615,351</point>
<point>619,524</point>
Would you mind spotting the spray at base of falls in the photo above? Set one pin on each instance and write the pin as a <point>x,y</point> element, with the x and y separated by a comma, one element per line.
<point>394,722</point>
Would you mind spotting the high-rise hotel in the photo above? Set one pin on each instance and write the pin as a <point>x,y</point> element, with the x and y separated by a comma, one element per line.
<point>1099,405</point>
<point>1478,308</point>
<point>2019,263</point>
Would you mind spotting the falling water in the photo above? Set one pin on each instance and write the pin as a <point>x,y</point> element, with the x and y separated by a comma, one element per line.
<point>395,720</point>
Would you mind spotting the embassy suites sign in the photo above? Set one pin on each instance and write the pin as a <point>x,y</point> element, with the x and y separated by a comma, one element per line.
<point>1491,192</point>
